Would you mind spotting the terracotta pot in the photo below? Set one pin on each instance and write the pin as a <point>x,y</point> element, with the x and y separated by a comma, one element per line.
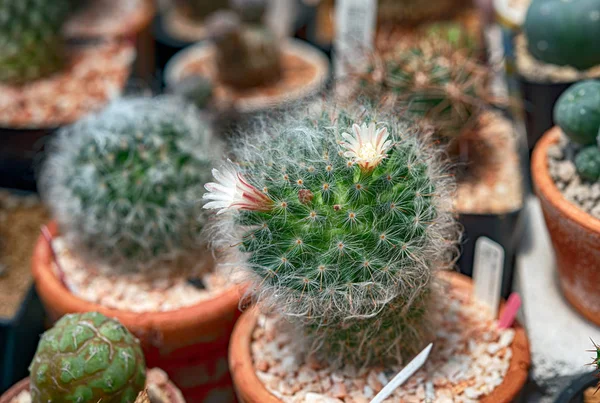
<point>172,391</point>
<point>189,344</point>
<point>251,390</point>
<point>575,236</point>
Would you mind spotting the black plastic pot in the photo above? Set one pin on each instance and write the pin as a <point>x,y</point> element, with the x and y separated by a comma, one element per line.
<point>21,151</point>
<point>538,103</point>
<point>506,230</point>
<point>573,393</point>
<point>19,337</point>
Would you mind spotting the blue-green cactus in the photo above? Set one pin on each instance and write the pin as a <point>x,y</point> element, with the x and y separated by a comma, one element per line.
<point>123,184</point>
<point>343,216</point>
<point>564,33</point>
<point>577,112</point>
<point>587,163</point>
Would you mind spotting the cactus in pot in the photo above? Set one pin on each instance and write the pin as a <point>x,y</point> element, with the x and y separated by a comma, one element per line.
<point>87,358</point>
<point>31,42</point>
<point>577,112</point>
<point>564,33</point>
<point>247,52</point>
<point>342,215</point>
<point>123,183</point>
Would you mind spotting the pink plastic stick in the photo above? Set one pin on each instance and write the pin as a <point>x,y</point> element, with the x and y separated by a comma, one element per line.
<point>511,308</point>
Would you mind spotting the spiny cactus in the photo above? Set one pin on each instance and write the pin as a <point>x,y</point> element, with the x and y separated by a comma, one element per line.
<point>123,184</point>
<point>343,215</point>
<point>417,11</point>
<point>434,81</point>
<point>587,162</point>
<point>577,112</point>
<point>87,358</point>
<point>31,44</point>
<point>563,32</point>
<point>247,55</point>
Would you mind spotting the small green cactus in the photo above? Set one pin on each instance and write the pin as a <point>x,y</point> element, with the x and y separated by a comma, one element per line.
<point>247,55</point>
<point>87,358</point>
<point>31,43</point>
<point>587,162</point>
<point>564,33</point>
<point>434,81</point>
<point>577,112</point>
<point>123,184</point>
<point>343,216</point>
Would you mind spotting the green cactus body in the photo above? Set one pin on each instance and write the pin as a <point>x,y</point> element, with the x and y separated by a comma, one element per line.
<point>342,216</point>
<point>31,44</point>
<point>564,33</point>
<point>87,358</point>
<point>577,112</point>
<point>123,184</point>
<point>432,81</point>
<point>246,55</point>
<point>587,163</point>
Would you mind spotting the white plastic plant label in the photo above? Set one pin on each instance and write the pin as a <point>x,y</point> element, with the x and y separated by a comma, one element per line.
<point>355,33</point>
<point>488,266</point>
<point>403,375</point>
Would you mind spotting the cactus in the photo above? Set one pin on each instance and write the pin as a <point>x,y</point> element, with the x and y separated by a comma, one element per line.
<point>195,89</point>
<point>564,33</point>
<point>434,81</point>
<point>31,44</point>
<point>577,112</point>
<point>123,184</point>
<point>87,358</point>
<point>587,162</point>
<point>247,55</point>
<point>417,11</point>
<point>343,215</point>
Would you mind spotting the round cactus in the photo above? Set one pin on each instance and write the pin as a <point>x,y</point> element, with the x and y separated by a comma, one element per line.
<point>343,216</point>
<point>87,358</point>
<point>564,33</point>
<point>587,163</point>
<point>246,55</point>
<point>123,184</point>
<point>577,112</point>
<point>433,81</point>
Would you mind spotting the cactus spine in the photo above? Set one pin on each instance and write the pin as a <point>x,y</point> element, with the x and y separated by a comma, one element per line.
<point>577,112</point>
<point>87,358</point>
<point>123,184</point>
<point>343,216</point>
<point>558,31</point>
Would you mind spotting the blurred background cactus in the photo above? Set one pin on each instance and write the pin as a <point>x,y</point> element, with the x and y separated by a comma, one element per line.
<point>557,31</point>
<point>433,81</point>
<point>87,358</point>
<point>343,216</point>
<point>577,112</point>
<point>124,184</point>
<point>417,11</point>
<point>247,52</point>
<point>31,42</point>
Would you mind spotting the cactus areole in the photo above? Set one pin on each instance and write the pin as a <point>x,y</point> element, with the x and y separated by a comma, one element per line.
<point>342,216</point>
<point>87,358</point>
<point>564,33</point>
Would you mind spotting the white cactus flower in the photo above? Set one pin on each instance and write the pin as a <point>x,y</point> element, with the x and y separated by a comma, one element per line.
<point>232,191</point>
<point>367,146</point>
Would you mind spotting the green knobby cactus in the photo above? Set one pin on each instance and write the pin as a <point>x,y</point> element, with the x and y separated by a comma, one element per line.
<point>577,112</point>
<point>564,33</point>
<point>432,80</point>
<point>343,216</point>
<point>87,358</point>
<point>587,162</point>
<point>417,11</point>
<point>247,55</point>
<point>123,184</point>
<point>31,43</point>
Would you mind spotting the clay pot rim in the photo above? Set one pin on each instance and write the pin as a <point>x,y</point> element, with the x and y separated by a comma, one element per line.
<point>174,393</point>
<point>174,67</point>
<point>546,188</point>
<point>251,389</point>
<point>50,287</point>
